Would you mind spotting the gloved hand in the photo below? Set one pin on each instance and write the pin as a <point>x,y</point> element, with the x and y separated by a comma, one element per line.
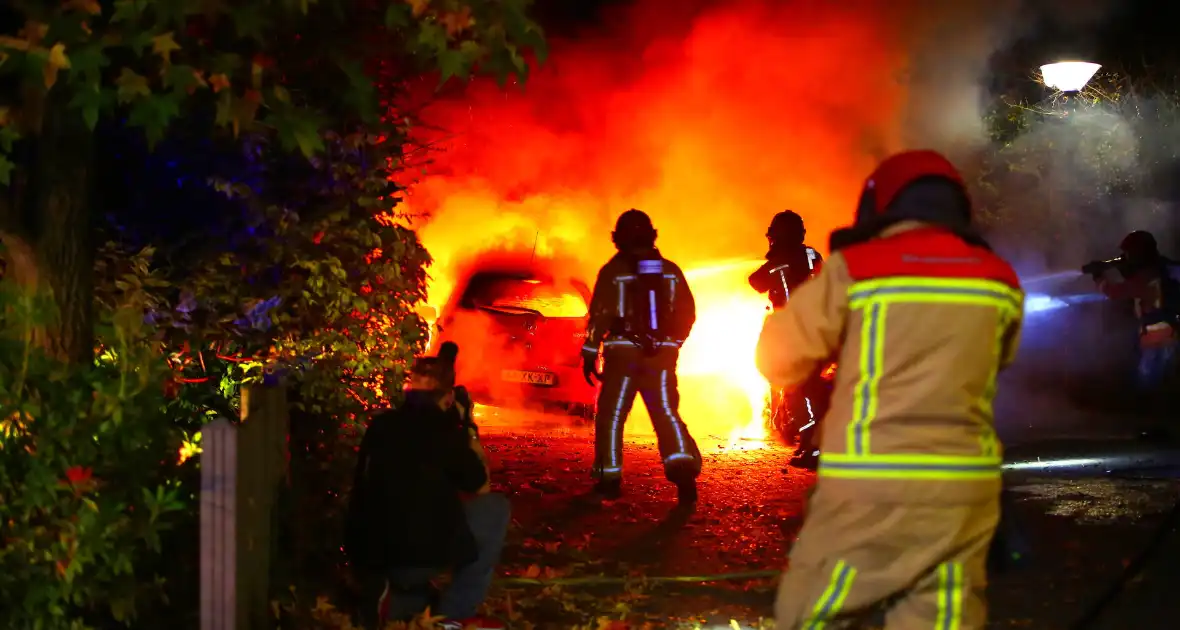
<point>590,368</point>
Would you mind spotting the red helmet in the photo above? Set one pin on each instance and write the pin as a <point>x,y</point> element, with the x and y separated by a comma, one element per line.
<point>896,173</point>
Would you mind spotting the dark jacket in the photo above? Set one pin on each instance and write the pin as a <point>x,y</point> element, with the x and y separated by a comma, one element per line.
<point>406,508</point>
<point>609,308</point>
<point>785,269</point>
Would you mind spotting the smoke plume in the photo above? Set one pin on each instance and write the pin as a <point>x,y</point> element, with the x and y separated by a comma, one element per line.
<point>711,122</point>
<point>711,117</point>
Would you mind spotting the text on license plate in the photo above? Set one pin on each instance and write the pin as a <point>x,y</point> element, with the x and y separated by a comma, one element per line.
<point>531,378</point>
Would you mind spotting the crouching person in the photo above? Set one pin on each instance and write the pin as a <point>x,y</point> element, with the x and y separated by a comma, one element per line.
<point>420,507</point>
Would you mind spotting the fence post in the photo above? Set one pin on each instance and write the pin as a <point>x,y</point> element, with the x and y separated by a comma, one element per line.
<point>218,516</point>
<point>262,467</point>
<point>242,472</point>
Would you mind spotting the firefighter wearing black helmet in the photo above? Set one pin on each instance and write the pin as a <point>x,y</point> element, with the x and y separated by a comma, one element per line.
<point>789,263</point>
<point>640,314</point>
<point>923,315</point>
<point>1150,282</point>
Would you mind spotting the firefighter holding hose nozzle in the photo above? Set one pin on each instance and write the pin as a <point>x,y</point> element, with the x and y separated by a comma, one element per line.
<point>1149,280</point>
<point>789,263</point>
<point>922,316</point>
<point>641,311</point>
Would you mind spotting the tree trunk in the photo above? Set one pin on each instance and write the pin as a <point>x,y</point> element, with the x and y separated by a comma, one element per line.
<point>46,228</point>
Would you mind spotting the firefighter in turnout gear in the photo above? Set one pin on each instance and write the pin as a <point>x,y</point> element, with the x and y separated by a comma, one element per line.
<point>1151,283</point>
<point>641,312</point>
<point>923,317</point>
<point>789,263</point>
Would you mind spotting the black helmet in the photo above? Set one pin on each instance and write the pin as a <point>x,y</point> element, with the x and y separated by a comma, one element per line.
<point>786,228</point>
<point>1140,245</point>
<point>634,229</point>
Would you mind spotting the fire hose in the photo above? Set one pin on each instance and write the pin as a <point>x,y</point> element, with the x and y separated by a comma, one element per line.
<point>1085,621</point>
<point>595,580</point>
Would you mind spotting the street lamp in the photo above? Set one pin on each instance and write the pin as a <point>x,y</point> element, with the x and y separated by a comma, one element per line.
<point>1068,76</point>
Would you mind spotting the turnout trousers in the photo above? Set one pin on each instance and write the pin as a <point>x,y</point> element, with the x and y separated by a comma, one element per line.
<point>923,565</point>
<point>627,372</point>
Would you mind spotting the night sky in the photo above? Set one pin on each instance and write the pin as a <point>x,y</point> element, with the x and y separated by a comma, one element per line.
<point>1135,36</point>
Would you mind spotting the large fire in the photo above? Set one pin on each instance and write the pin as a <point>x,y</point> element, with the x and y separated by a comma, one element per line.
<point>709,119</point>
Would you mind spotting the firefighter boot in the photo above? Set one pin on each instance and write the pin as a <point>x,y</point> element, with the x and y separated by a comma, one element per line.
<point>805,457</point>
<point>686,483</point>
<point>609,489</point>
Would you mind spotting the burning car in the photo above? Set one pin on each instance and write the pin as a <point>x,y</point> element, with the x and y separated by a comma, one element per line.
<point>521,333</point>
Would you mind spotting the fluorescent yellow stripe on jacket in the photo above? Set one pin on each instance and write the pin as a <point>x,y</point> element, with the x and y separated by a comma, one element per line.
<point>950,596</point>
<point>873,298</point>
<point>832,600</point>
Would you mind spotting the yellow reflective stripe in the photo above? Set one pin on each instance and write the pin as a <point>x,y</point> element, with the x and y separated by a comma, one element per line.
<point>872,297</point>
<point>950,596</point>
<point>910,466</point>
<point>946,287</point>
<point>864,397</point>
<point>989,442</point>
<point>832,600</point>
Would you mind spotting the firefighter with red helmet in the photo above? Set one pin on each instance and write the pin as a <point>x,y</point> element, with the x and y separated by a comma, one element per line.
<point>641,311</point>
<point>923,316</point>
<point>1152,283</point>
<point>789,263</point>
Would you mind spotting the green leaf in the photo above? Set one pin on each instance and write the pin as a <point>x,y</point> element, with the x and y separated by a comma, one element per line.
<point>225,63</point>
<point>131,85</point>
<point>248,21</point>
<point>153,114</point>
<point>87,61</point>
<point>397,15</point>
<point>182,78</point>
<point>433,38</point>
<point>127,11</point>
<point>361,95</point>
<point>8,135</point>
<point>89,99</point>
<point>6,167</point>
<point>299,129</point>
<point>451,63</point>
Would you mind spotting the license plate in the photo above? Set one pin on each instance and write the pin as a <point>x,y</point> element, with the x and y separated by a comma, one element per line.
<point>530,378</point>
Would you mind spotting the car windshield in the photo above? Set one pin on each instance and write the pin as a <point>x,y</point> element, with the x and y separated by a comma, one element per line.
<point>521,296</point>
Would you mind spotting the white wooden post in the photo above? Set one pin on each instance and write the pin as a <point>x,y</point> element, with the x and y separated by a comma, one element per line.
<point>219,484</point>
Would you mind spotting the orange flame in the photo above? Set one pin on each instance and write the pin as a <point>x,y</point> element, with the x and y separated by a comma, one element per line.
<point>711,124</point>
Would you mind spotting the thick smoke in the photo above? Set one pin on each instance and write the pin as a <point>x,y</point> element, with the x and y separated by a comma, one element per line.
<point>710,122</point>
<point>712,116</point>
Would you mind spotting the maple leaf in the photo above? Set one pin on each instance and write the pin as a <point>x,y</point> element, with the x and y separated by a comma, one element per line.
<point>56,61</point>
<point>418,7</point>
<point>33,31</point>
<point>533,571</point>
<point>218,82</point>
<point>322,607</point>
<point>457,21</point>
<point>90,7</point>
<point>164,45</point>
<point>131,84</point>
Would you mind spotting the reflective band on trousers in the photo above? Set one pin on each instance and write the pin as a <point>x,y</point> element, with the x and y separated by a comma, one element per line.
<point>950,596</point>
<point>832,600</point>
<point>873,298</point>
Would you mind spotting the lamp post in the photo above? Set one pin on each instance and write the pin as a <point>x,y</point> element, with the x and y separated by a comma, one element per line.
<point>1068,77</point>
